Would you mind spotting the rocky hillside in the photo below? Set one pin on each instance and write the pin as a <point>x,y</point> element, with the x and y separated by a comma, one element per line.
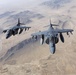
<point>21,55</point>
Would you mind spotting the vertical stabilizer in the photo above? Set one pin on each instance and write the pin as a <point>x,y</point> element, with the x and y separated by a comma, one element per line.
<point>18,22</point>
<point>50,23</point>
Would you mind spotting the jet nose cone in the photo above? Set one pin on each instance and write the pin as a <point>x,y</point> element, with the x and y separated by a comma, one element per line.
<point>52,48</point>
<point>7,36</point>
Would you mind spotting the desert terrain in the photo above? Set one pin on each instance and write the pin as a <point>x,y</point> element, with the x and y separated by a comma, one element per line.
<point>21,55</point>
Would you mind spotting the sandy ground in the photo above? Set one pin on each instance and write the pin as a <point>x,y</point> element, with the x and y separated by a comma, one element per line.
<point>22,58</point>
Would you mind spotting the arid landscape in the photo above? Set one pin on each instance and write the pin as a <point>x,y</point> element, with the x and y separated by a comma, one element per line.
<point>21,55</point>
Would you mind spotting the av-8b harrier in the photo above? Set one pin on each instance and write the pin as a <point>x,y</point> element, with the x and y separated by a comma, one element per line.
<point>14,30</point>
<point>51,36</point>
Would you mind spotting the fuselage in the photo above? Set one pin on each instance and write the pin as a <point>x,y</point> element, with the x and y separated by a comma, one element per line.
<point>13,31</point>
<point>51,38</point>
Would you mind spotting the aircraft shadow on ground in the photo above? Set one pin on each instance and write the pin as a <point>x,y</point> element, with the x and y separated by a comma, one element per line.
<point>18,47</point>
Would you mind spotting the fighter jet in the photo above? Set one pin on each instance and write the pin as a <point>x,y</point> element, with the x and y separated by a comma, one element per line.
<point>51,36</point>
<point>14,30</point>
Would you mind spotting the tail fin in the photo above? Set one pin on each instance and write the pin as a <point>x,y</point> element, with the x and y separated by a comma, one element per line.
<point>52,24</point>
<point>19,22</point>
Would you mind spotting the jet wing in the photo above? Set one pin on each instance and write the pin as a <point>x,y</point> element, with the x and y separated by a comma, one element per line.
<point>63,30</point>
<point>23,27</point>
<point>5,30</point>
<point>39,33</point>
